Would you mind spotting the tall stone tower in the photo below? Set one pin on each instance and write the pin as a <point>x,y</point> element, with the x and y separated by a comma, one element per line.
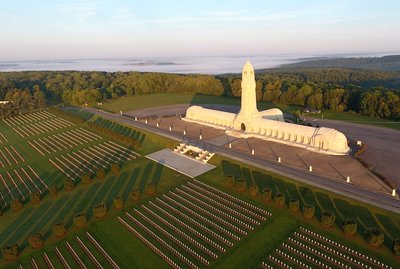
<point>248,110</point>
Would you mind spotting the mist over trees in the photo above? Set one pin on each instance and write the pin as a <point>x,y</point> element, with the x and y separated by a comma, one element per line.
<point>372,93</point>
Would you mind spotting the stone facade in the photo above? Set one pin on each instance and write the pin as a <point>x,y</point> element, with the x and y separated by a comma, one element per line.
<point>269,124</point>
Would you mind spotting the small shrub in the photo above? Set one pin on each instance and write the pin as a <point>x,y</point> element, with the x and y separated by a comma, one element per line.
<point>230,181</point>
<point>115,168</point>
<point>374,236</point>
<point>135,195</point>
<point>100,173</point>
<point>294,205</point>
<point>80,220</point>
<point>10,253</point>
<point>280,199</point>
<point>267,194</point>
<point>35,197</point>
<point>253,190</point>
<point>241,186</point>
<point>349,227</point>
<point>69,184</point>
<point>86,179</point>
<point>118,203</point>
<point>53,190</point>
<point>396,246</point>
<point>151,189</point>
<point>327,219</point>
<point>59,229</point>
<point>36,240</point>
<point>100,211</point>
<point>16,205</point>
<point>308,211</point>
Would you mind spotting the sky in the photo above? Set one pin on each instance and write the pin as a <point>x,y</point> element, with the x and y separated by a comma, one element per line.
<point>84,29</point>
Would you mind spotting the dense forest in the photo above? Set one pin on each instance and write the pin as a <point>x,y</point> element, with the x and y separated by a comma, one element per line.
<point>373,93</point>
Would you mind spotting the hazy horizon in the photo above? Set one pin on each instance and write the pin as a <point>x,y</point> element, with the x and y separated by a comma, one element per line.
<point>93,29</point>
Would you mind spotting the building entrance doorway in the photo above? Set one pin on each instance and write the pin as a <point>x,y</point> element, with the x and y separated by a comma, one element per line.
<point>243,127</point>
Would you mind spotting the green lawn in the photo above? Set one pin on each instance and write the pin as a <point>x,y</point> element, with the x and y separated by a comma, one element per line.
<point>128,251</point>
<point>127,103</point>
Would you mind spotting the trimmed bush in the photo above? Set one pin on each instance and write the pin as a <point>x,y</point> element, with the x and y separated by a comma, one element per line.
<point>349,227</point>
<point>53,190</point>
<point>16,204</point>
<point>374,236</point>
<point>267,194</point>
<point>10,253</point>
<point>86,179</point>
<point>36,240</point>
<point>294,205</point>
<point>135,195</point>
<point>253,190</point>
<point>308,211</point>
<point>100,173</point>
<point>115,168</point>
<point>396,246</point>
<point>35,197</point>
<point>59,229</point>
<point>100,211</point>
<point>69,184</point>
<point>241,186</point>
<point>118,203</point>
<point>230,181</point>
<point>151,189</point>
<point>80,220</point>
<point>279,199</point>
<point>327,218</point>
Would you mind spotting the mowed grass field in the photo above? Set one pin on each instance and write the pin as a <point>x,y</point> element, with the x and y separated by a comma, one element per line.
<point>127,103</point>
<point>129,252</point>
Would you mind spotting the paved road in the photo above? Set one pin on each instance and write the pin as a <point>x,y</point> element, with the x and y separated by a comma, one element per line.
<point>383,145</point>
<point>381,200</point>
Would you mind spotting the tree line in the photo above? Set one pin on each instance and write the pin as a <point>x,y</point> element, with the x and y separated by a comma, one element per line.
<point>372,93</point>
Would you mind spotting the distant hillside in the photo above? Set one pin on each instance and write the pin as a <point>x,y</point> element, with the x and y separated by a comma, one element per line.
<point>386,63</point>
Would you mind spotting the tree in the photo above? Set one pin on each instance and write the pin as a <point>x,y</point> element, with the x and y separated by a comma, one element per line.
<point>315,101</point>
<point>115,168</point>
<point>374,236</point>
<point>349,227</point>
<point>39,98</point>
<point>294,205</point>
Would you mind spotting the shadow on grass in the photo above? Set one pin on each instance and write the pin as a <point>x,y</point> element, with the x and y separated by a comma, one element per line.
<point>131,182</point>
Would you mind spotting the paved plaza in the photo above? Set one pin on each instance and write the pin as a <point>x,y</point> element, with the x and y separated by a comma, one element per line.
<point>181,163</point>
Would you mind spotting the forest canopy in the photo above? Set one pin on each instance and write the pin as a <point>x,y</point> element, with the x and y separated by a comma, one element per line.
<point>373,93</point>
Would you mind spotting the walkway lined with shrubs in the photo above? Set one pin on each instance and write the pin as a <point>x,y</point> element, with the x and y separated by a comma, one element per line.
<point>192,225</point>
<point>307,249</point>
